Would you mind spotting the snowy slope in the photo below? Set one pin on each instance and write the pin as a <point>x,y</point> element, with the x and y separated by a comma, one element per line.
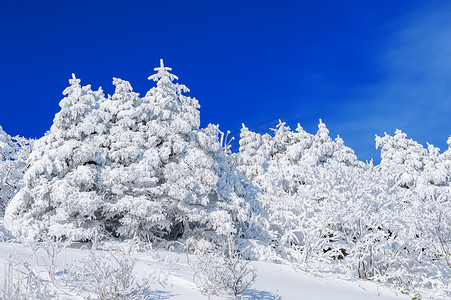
<point>274,281</point>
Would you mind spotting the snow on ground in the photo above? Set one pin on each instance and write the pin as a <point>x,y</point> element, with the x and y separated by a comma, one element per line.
<point>274,281</point>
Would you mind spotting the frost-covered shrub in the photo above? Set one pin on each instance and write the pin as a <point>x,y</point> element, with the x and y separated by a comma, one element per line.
<point>100,275</point>
<point>109,275</point>
<point>220,269</point>
<point>328,211</point>
<point>444,239</point>
<point>22,281</point>
<point>283,167</point>
<point>36,279</point>
<point>423,182</point>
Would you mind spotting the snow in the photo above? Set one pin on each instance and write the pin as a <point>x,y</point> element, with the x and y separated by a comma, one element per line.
<point>274,281</point>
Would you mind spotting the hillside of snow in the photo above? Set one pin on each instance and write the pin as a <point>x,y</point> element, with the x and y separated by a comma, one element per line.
<point>274,281</point>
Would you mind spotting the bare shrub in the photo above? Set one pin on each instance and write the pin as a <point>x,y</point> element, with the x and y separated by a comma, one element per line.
<point>102,275</point>
<point>443,234</point>
<point>22,280</point>
<point>221,269</point>
<point>239,276</point>
<point>109,275</point>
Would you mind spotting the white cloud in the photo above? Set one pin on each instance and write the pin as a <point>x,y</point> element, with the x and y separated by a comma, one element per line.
<point>414,92</point>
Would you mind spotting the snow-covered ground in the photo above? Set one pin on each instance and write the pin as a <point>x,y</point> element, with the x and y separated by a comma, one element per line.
<point>274,281</point>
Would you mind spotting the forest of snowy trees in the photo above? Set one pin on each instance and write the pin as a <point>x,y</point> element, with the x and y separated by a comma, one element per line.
<point>127,167</point>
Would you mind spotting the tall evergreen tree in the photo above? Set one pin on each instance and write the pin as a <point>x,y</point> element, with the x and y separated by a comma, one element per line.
<point>198,187</point>
<point>62,193</point>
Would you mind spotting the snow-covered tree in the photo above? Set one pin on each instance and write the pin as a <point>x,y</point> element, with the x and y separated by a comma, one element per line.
<point>401,159</point>
<point>198,189</point>
<point>62,193</point>
<point>253,153</point>
<point>280,161</point>
<point>173,179</point>
<point>129,172</point>
<point>301,142</point>
<point>14,152</point>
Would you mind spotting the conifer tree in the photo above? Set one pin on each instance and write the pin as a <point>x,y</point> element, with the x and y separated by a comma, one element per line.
<point>322,148</point>
<point>198,188</point>
<point>301,142</point>
<point>129,172</point>
<point>253,153</point>
<point>344,154</point>
<point>62,193</point>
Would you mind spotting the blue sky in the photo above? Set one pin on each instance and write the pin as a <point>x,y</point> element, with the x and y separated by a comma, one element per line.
<point>363,68</point>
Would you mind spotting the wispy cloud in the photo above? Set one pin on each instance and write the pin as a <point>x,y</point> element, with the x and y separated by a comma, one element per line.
<point>414,90</point>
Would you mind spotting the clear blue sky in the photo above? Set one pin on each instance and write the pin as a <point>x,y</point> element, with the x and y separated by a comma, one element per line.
<point>364,67</point>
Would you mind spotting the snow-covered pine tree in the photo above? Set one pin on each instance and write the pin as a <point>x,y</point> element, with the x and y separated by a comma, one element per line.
<point>253,156</point>
<point>198,187</point>
<point>281,161</point>
<point>322,147</point>
<point>62,193</point>
<point>402,159</point>
<point>301,142</point>
<point>130,173</point>
<point>344,154</point>
<point>290,170</point>
<point>281,140</point>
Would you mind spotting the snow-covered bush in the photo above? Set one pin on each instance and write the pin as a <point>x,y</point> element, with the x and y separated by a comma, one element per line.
<point>424,186</point>
<point>100,275</point>
<point>36,279</point>
<point>220,269</point>
<point>207,266</point>
<point>284,168</point>
<point>109,275</point>
<point>328,211</point>
<point>444,240</point>
<point>22,281</point>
